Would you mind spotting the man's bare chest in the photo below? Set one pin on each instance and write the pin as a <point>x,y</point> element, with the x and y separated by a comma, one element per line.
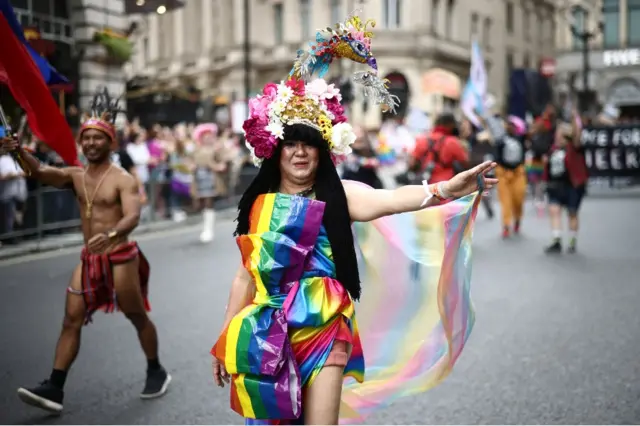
<point>93,192</point>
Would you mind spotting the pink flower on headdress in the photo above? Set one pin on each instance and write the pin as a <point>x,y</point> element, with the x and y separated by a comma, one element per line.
<point>259,107</point>
<point>335,108</point>
<point>270,90</point>
<point>359,35</point>
<point>321,90</point>
<point>262,141</point>
<point>297,86</point>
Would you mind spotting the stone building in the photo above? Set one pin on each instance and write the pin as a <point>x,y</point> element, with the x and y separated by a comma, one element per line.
<point>423,46</point>
<point>613,54</point>
<point>70,25</point>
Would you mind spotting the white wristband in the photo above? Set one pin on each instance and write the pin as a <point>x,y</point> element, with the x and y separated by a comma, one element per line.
<point>427,191</point>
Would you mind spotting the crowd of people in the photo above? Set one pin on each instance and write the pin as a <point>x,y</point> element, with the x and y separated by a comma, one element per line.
<point>184,169</point>
<point>181,170</point>
<point>542,158</point>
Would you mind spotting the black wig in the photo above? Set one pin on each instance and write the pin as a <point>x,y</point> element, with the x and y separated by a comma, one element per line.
<point>328,188</point>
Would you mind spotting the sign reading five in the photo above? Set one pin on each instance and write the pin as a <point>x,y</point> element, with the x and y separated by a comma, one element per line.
<point>621,58</point>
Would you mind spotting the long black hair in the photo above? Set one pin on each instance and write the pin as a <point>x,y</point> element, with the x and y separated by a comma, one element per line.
<point>328,188</point>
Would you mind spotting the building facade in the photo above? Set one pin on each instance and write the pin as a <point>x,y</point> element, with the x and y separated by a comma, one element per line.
<point>423,46</point>
<point>613,54</point>
<point>70,25</point>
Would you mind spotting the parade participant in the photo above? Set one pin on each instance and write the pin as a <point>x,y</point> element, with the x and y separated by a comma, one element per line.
<point>440,155</point>
<point>540,140</point>
<point>113,273</point>
<point>510,156</point>
<point>566,175</point>
<point>290,335</point>
<point>206,185</point>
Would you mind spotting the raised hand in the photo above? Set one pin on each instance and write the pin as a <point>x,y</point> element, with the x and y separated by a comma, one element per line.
<point>468,181</point>
<point>8,144</point>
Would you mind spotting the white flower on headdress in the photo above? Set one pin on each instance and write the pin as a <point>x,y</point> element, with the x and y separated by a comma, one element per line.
<point>342,136</point>
<point>317,88</point>
<point>276,129</point>
<point>333,91</point>
<point>278,106</point>
<point>284,93</point>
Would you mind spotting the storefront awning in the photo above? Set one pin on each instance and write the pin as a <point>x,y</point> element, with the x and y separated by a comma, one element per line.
<point>441,82</point>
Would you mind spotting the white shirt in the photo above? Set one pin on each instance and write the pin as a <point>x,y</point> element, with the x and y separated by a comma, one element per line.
<point>140,156</point>
<point>15,188</point>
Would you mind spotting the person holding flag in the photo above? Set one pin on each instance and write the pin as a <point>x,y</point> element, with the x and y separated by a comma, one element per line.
<point>113,273</point>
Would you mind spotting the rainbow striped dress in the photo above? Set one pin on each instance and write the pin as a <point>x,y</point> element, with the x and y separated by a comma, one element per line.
<point>415,315</point>
<point>278,344</point>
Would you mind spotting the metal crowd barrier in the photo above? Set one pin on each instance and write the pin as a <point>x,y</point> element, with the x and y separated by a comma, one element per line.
<point>48,211</point>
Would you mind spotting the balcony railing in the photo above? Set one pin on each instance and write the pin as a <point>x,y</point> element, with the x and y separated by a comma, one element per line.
<point>51,27</point>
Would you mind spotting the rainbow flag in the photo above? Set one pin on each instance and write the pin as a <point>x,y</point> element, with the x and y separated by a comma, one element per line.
<point>386,155</point>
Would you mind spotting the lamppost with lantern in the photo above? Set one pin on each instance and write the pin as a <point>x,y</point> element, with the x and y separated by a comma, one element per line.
<point>585,36</point>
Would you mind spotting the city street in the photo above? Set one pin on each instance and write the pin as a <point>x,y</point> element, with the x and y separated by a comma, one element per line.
<point>556,338</point>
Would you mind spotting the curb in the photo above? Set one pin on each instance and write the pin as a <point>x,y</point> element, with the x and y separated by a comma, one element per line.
<point>76,240</point>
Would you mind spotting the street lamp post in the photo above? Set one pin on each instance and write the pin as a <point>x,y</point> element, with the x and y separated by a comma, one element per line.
<point>585,36</point>
<point>247,51</point>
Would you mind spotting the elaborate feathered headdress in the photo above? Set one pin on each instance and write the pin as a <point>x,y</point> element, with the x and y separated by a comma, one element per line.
<point>104,110</point>
<point>315,103</point>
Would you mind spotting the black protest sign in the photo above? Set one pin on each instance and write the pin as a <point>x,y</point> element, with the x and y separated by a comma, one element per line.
<point>612,151</point>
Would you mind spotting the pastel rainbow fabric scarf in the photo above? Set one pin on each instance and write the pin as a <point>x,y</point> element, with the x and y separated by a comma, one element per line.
<point>415,314</point>
<point>414,318</point>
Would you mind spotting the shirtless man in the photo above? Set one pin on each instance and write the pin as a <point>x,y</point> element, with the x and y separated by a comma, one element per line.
<point>113,273</point>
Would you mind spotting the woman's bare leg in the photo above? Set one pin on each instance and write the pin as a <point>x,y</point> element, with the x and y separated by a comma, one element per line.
<point>321,400</point>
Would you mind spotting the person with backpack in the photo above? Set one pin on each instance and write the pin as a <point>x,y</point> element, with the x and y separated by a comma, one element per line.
<point>566,175</point>
<point>510,156</point>
<point>439,156</point>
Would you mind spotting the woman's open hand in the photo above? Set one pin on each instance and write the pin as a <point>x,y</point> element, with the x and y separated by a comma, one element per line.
<point>468,181</point>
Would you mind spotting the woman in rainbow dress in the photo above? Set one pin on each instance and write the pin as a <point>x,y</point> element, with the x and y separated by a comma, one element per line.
<point>291,348</point>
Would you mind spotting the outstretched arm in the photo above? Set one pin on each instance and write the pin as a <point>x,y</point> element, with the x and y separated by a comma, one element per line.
<point>366,204</point>
<point>56,177</point>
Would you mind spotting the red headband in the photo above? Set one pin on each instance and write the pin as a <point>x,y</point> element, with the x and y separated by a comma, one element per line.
<point>103,126</point>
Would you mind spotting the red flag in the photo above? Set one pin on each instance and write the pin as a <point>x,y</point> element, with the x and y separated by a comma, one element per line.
<point>20,73</point>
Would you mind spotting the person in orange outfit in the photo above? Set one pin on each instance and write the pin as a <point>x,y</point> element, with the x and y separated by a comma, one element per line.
<point>510,156</point>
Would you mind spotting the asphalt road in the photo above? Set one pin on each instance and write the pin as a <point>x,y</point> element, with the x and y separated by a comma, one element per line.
<point>556,339</point>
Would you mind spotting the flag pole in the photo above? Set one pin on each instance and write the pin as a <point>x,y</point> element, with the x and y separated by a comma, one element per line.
<point>16,156</point>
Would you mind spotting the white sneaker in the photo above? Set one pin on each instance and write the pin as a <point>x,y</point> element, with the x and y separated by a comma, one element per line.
<point>206,237</point>
<point>179,216</point>
<point>208,217</point>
